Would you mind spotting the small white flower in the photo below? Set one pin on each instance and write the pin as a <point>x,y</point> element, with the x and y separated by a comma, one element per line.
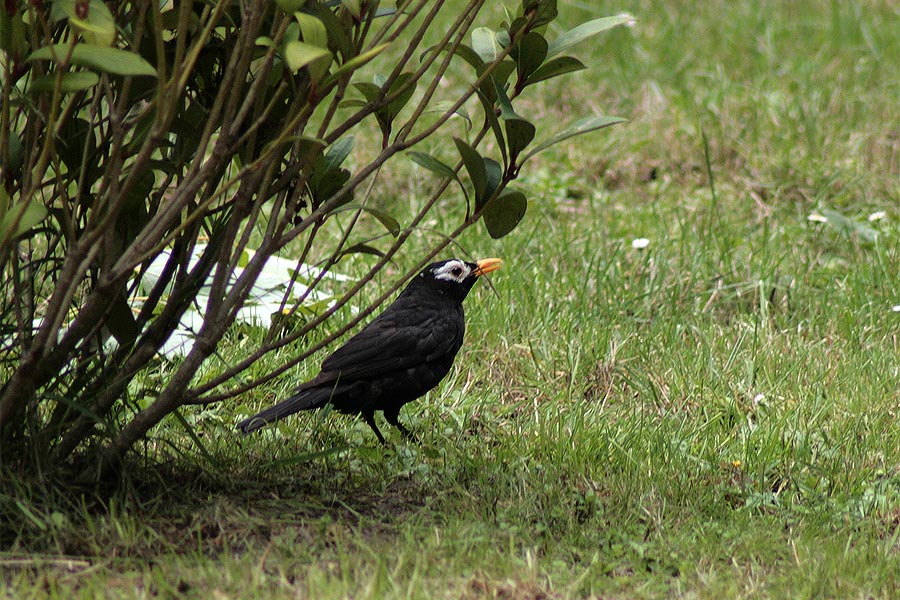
<point>640,243</point>
<point>896,308</point>
<point>817,218</point>
<point>877,216</point>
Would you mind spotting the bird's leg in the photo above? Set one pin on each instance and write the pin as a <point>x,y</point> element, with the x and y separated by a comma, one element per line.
<point>369,418</point>
<point>393,417</point>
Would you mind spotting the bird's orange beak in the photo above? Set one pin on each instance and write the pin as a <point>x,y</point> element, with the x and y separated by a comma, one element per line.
<point>486,265</point>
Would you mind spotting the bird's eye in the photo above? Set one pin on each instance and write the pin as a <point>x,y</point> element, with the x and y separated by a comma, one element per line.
<point>457,271</point>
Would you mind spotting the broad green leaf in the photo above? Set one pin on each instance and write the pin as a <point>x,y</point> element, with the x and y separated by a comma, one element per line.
<point>352,7</point>
<point>475,167</point>
<point>545,9</point>
<point>555,67</point>
<point>530,54</point>
<point>369,90</point>
<point>12,33</point>
<point>292,33</point>
<point>580,127</point>
<point>108,60</point>
<point>71,82</point>
<point>362,249</point>
<point>31,214</point>
<point>352,103</point>
<point>432,164</point>
<point>519,133</point>
<point>339,30</point>
<point>338,152</point>
<point>300,54</point>
<point>389,222</point>
<point>4,203</point>
<point>485,44</point>
<point>586,30</point>
<point>313,30</point>
<point>97,25</point>
<point>493,174</point>
<point>357,61</point>
<point>506,109</point>
<point>500,74</point>
<point>290,6</point>
<point>16,154</point>
<point>491,117</point>
<point>503,213</point>
<point>444,106</point>
<point>395,106</point>
<point>469,55</point>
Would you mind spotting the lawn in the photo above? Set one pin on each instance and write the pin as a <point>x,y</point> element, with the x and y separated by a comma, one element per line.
<point>709,415</point>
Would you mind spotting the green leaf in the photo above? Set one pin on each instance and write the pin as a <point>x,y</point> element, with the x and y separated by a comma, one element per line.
<point>431,163</point>
<point>506,108</point>
<point>300,54</point>
<point>395,106</point>
<point>5,201</point>
<point>31,214</point>
<point>445,105</point>
<point>290,6</point>
<point>501,72</point>
<point>71,82</point>
<point>338,152</point>
<point>312,29</point>
<point>555,67</point>
<point>580,127</point>
<point>107,60</point>
<point>503,213</point>
<point>339,30</point>
<point>530,54</point>
<point>356,62</point>
<point>12,33</point>
<point>97,27</point>
<point>546,10</point>
<point>362,249</point>
<point>369,90</point>
<point>485,44</point>
<point>475,167</point>
<point>352,7</point>
<point>389,222</point>
<point>586,30</point>
<point>469,55</point>
<point>519,133</point>
<point>493,175</point>
<point>491,117</point>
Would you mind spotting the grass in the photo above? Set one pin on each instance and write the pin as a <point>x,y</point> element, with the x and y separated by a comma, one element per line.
<point>712,416</point>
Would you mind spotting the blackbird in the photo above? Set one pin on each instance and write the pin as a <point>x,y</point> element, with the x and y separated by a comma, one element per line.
<point>395,359</point>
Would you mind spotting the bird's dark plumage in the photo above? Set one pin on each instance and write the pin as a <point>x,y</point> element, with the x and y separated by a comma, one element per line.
<point>395,359</point>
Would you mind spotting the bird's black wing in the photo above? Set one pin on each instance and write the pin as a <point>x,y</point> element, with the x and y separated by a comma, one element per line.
<point>395,341</point>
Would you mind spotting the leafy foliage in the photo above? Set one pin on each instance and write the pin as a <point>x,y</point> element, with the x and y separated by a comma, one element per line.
<point>163,138</point>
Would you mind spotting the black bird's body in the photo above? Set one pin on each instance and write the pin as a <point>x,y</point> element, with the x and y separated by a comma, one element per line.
<point>398,357</point>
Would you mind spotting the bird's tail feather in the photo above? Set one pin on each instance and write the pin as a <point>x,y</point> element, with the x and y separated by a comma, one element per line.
<point>302,400</point>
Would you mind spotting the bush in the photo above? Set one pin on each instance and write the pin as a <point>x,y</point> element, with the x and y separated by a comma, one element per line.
<point>141,138</point>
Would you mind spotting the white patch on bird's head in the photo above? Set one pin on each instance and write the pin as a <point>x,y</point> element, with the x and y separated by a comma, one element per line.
<point>453,270</point>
